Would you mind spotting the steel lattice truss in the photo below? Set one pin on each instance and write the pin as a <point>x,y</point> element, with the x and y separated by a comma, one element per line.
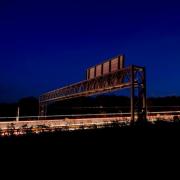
<point>131,77</point>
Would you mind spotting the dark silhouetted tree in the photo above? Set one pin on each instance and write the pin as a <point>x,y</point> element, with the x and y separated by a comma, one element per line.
<point>29,106</point>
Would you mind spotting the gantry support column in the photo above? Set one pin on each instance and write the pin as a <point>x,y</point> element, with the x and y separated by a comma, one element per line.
<point>132,95</point>
<point>144,94</point>
<point>42,109</point>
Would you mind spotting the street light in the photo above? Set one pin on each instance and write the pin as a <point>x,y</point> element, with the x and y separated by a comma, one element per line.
<point>18,111</point>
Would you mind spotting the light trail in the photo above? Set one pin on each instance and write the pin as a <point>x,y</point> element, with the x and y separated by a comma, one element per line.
<point>86,115</point>
<point>74,122</point>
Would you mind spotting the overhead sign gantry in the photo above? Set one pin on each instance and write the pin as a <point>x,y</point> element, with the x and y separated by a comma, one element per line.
<point>108,76</point>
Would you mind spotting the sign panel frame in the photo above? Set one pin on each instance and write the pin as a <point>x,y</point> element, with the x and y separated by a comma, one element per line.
<point>108,66</point>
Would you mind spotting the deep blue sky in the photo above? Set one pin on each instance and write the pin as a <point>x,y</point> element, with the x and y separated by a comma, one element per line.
<point>47,44</point>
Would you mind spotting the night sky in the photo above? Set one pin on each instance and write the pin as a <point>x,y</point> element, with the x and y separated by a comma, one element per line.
<point>48,44</point>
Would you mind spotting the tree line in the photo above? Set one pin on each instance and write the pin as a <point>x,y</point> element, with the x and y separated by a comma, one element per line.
<point>100,104</point>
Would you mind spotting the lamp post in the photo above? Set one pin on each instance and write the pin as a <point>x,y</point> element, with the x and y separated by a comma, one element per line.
<point>17,117</point>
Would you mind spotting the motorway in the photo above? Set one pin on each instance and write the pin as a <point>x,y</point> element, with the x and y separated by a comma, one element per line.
<point>73,122</point>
